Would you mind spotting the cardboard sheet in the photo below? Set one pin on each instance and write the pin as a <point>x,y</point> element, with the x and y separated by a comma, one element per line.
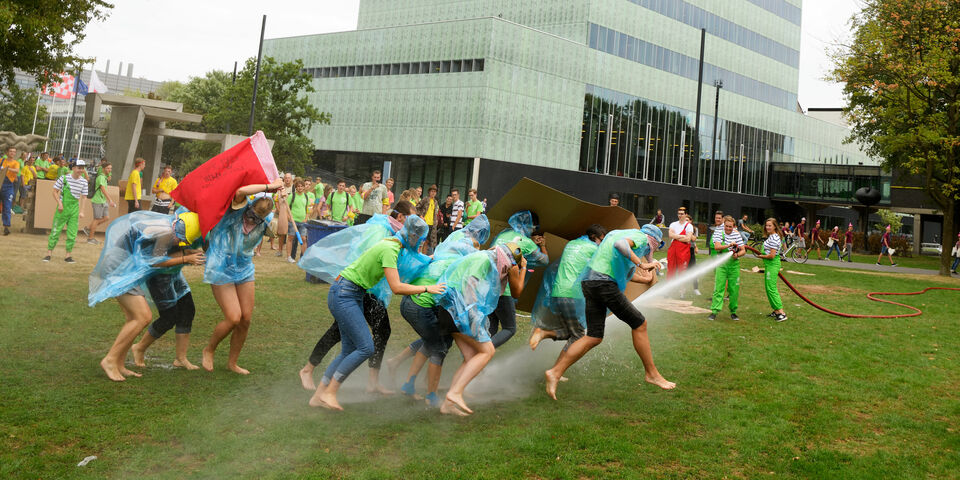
<point>45,206</point>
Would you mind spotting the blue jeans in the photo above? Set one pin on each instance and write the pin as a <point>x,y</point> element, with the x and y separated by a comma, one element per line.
<point>6,198</point>
<point>424,322</point>
<point>345,302</point>
<point>956,262</point>
<point>503,321</point>
<point>835,246</point>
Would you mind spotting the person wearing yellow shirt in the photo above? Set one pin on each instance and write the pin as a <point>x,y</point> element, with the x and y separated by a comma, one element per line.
<point>28,175</point>
<point>163,202</point>
<point>429,207</point>
<point>9,170</point>
<point>132,195</point>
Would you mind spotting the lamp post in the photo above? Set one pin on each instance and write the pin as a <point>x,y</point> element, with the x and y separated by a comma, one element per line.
<point>716,109</point>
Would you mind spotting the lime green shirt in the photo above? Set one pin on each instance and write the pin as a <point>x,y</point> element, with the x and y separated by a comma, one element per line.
<point>603,259</point>
<point>434,271</point>
<point>526,245</point>
<point>298,207</point>
<point>337,201</point>
<point>473,208</point>
<point>98,196</point>
<point>576,256</point>
<point>367,270</point>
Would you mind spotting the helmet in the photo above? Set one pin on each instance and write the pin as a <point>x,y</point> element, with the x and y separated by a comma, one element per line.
<point>187,227</point>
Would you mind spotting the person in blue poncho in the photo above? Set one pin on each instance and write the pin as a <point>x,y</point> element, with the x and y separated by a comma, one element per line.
<point>138,249</point>
<point>559,307</point>
<point>331,255</point>
<point>474,286</point>
<point>345,300</point>
<point>615,262</point>
<point>524,232</point>
<point>230,271</point>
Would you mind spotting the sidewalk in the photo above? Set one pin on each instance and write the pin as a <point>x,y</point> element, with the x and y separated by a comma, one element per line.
<point>865,266</point>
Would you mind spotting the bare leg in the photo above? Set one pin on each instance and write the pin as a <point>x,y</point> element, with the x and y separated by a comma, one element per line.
<point>395,362</point>
<point>306,377</point>
<point>182,343</point>
<point>138,316</point>
<point>326,396</point>
<point>470,368</point>
<point>226,296</point>
<point>433,377</point>
<point>568,357</point>
<point>373,383</point>
<point>538,335</point>
<point>641,343</point>
<point>417,364</point>
<point>140,349</point>
<point>245,293</point>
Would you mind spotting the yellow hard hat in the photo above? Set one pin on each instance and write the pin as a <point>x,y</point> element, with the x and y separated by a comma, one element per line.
<point>191,227</point>
<point>515,251</point>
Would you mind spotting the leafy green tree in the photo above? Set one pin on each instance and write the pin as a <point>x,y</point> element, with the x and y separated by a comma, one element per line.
<point>888,217</point>
<point>38,36</point>
<point>283,112</point>
<point>17,107</point>
<point>902,81</point>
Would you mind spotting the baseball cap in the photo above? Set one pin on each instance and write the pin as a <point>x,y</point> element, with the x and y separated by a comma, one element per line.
<point>80,163</point>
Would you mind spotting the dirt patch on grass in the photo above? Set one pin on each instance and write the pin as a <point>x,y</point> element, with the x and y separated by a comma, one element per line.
<point>828,289</point>
<point>900,276</point>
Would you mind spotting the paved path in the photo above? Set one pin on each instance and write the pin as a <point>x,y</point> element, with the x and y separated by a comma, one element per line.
<point>873,267</point>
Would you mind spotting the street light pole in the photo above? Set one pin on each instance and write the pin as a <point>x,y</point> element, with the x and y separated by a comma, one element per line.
<point>716,109</point>
<point>256,77</point>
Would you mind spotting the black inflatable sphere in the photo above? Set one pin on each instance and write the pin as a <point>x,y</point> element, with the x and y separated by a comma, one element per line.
<point>868,196</point>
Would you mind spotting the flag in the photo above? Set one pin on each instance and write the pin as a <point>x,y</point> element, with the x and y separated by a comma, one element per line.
<point>96,85</point>
<point>61,89</point>
<point>81,87</point>
<point>209,189</point>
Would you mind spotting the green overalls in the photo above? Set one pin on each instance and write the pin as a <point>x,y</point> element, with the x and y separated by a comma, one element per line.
<point>727,275</point>
<point>69,217</point>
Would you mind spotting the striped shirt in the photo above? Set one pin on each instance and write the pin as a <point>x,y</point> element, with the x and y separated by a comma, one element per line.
<point>724,238</point>
<point>772,243</point>
<point>78,186</point>
<point>455,211</point>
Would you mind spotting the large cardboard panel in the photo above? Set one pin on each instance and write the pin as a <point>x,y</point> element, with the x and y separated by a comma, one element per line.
<point>45,206</point>
<point>562,218</point>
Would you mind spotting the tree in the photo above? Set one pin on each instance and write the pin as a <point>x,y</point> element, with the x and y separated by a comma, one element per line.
<point>902,82</point>
<point>17,107</point>
<point>283,112</point>
<point>39,35</point>
<point>888,217</point>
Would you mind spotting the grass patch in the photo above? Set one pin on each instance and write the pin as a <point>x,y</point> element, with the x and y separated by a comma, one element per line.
<point>815,397</point>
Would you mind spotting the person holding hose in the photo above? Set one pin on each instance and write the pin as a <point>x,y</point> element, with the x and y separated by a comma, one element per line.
<point>727,276</point>
<point>771,267</point>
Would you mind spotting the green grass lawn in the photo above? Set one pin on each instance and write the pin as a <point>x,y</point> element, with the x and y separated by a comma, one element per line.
<point>814,397</point>
<point>927,262</point>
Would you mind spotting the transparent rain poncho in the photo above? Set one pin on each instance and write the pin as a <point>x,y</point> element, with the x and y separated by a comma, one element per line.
<point>610,262</point>
<point>410,263</point>
<point>327,257</point>
<point>478,229</point>
<point>562,280</point>
<point>133,244</point>
<point>230,255</point>
<point>521,227</point>
<point>474,284</point>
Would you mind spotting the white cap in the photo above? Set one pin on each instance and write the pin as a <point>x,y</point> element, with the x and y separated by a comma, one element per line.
<point>80,163</point>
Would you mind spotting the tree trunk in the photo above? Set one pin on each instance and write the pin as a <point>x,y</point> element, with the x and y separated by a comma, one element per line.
<point>948,239</point>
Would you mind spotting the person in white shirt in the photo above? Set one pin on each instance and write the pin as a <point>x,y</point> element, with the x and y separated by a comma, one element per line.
<point>727,275</point>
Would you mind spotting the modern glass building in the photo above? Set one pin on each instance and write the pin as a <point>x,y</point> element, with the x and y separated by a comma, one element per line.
<point>592,97</point>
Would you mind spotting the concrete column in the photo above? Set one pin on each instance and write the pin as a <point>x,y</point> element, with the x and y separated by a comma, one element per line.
<point>126,124</point>
<point>151,150</point>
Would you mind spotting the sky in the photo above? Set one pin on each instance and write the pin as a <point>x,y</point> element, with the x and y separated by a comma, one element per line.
<point>178,39</point>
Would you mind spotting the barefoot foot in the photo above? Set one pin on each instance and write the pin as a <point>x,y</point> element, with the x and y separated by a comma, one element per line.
<point>379,389</point>
<point>138,355</point>
<point>238,369</point>
<point>306,379</point>
<point>184,363</point>
<point>551,380</point>
<point>660,382</point>
<point>458,401</point>
<point>129,373</point>
<point>207,360</point>
<point>325,400</point>
<point>111,370</point>
<point>564,379</point>
<point>450,408</point>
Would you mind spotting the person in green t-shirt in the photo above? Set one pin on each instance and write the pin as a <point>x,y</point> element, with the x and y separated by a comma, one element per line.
<point>299,209</point>
<point>345,300</point>
<point>473,208</point>
<point>617,260</point>
<point>559,305</point>
<point>42,164</point>
<point>99,201</point>
<point>523,231</point>
<point>355,204</point>
<point>338,203</point>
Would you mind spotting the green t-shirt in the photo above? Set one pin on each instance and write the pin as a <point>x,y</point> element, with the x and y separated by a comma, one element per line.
<point>318,190</point>
<point>434,271</point>
<point>337,201</point>
<point>298,205</point>
<point>41,164</point>
<point>526,245</point>
<point>311,199</point>
<point>603,260</point>
<point>473,208</point>
<point>367,269</point>
<point>98,196</point>
<point>576,256</point>
<point>64,170</point>
<point>357,202</point>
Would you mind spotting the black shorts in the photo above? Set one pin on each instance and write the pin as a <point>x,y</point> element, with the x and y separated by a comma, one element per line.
<point>601,295</point>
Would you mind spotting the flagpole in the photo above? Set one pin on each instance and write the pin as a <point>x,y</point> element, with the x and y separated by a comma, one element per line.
<point>80,147</point>
<point>49,123</point>
<point>73,109</point>
<point>36,111</point>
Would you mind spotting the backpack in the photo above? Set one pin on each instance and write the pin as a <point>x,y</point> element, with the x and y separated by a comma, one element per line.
<point>91,185</point>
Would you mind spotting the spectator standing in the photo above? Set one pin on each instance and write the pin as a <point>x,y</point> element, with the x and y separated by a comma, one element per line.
<point>299,204</point>
<point>886,247</point>
<point>445,210</point>
<point>417,195</point>
<point>428,209</point>
<point>848,244</point>
<point>322,208</point>
<point>356,205</point>
<point>614,200</point>
<point>956,255</point>
<point>101,213</point>
<point>69,191</point>
<point>338,202</point>
<point>311,199</point>
<point>800,232</point>
<point>373,193</point>
<point>134,188</point>
<point>319,188</point>
<point>717,225</point>
<point>473,207</point>
<point>9,170</point>
<point>43,164</point>
<point>28,177</point>
<point>745,231</point>
<point>456,211</point>
<point>678,254</point>
<point>163,202</point>
<point>815,239</point>
<point>285,226</point>
<point>834,243</point>
<point>389,201</point>
<point>658,219</point>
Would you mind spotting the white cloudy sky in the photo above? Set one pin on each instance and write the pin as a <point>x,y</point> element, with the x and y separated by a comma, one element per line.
<point>177,39</point>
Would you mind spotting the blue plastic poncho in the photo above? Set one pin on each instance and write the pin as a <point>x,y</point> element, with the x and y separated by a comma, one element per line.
<point>474,284</point>
<point>230,256</point>
<point>479,230</point>
<point>521,227</point>
<point>327,257</point>
<point>562,280</point>
<point>610,262</point>
<point>410,262</point>
<point>522,222</point>
<point>133,244</point>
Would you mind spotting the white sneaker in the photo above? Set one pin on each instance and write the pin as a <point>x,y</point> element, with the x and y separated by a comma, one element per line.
<point>291,260</point>
<point>696,291</point>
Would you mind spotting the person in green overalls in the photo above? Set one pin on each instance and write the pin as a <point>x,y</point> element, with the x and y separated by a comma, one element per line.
<point>727,276</point>
<point>771,267</point>
<point>70,191</point>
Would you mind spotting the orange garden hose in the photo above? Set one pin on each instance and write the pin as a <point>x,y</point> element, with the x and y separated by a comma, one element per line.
<point>871,296</point>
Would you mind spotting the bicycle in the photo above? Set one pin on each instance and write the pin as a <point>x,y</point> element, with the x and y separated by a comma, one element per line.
<point>795,251</point>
